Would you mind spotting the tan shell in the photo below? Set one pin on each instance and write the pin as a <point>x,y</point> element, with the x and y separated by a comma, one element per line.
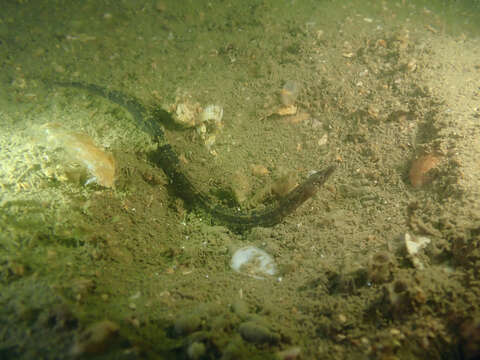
<point>419,174</point>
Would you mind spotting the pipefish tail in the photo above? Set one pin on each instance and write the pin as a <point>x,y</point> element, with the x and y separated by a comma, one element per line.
<point>166,158</point>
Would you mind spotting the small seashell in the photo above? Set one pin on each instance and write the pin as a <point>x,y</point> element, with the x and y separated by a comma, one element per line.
<point>420,170</point>
<point>213,113</point>
<point>253,262</point>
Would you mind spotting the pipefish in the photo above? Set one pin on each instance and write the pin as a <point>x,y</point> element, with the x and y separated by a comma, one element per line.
<point>166,158</point>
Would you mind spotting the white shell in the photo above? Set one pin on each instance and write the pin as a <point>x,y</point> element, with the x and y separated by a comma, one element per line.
<point>212,113</point>
<point>185,115</point>
<point>253,262</point>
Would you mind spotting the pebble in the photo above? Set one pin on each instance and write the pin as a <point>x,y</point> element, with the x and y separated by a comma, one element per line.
<point>187,324</point>
<point>96,338</point>
<point>257,334</point>
<point>196,350</point>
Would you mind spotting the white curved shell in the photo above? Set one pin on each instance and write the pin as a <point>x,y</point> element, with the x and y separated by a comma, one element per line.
<point>253,262</point>
<point>212,113</point>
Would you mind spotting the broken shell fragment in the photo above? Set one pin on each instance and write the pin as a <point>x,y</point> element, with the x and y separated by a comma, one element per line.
<point>185,114</point>
<point>413,246</point>
<point>212,113</point>
<point>287,110</point>
<point>80,148</point>
<point>420,171</point>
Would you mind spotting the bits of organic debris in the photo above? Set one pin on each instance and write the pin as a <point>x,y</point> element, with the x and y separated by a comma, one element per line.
<point>96,338</point>
<point>240,186</point>
<point>259,170</point>
<point>287,110</point>
<point>420,171</point>
<point>80,148</point>
<point>470,334</point>
<point>207,121</point>
<point>403,296</point>
<point>380,267</point>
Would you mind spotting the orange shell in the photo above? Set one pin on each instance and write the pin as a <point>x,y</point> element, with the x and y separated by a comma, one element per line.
<point>419,171</point>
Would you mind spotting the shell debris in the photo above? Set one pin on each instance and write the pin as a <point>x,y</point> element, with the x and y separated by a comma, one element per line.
<point>80,148</point>
<point>186,114</point>
<point>420,171</point>
<point>207,121</point>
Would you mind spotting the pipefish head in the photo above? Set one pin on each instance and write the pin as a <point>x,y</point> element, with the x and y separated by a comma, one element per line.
<point>320,177</point>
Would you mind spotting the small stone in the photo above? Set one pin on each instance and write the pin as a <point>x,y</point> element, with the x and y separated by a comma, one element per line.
<point>259,170</point>
<point>257,334</point>
<point>289,354</point>
<point>196,350</point>
<point>380,267</point>
<point>96,338</point>
<point>240,307</point>
<point>187,324</point>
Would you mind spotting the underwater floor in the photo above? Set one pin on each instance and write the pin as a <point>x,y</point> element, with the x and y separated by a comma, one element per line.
<point>231,245</point>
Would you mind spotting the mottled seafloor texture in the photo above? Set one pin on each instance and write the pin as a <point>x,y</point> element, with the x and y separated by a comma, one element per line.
<point>381,263</point>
